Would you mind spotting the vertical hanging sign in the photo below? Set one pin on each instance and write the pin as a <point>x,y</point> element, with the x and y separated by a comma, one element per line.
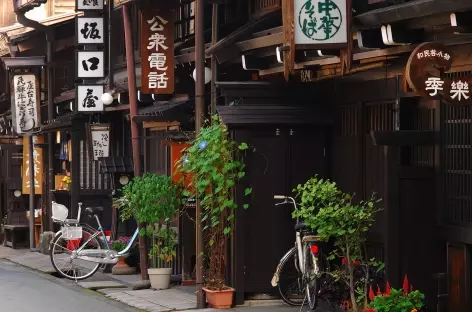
<point>25,103</point>
<point>157,52</point>
<point>38,166</point>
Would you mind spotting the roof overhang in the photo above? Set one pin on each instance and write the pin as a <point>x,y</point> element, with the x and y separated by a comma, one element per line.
<point>23,62</point>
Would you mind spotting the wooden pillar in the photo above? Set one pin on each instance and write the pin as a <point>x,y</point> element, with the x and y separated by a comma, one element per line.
<point>77,127</point>
<point>392,214</point>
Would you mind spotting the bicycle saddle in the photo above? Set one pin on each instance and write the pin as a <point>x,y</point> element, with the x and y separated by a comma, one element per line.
<point>300,226</point>
<point>93,210</point>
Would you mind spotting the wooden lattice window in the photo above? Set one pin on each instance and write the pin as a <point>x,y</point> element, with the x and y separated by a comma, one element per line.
<point>185,20</point>
<point>90,176</point>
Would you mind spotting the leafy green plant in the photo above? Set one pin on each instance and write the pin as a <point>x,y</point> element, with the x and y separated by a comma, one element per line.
<point>398,301</point>
<point>151,199</point>
<point>121,243</point>
<point>163,251</point>
<point>332,214</point>
<point>213,163</point>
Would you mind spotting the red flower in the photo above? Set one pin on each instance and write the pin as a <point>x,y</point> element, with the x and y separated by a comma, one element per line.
<point>371,293</point>
<point>344,261</point>
<point>378,291</point>
<point>387,288</point>
<point>355,262</point>
<point>405,285</point>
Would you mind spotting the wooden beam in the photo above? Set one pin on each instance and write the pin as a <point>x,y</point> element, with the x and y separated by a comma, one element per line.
<point>159,124</point>
<point>403,138</point>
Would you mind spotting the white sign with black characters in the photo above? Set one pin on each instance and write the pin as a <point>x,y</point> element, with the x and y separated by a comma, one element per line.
<point>26,113</point>
<point>100,143</point>
<point>89,98</point>
<point>90,64</point>
<point>90,30</point>
<point>89,5</point>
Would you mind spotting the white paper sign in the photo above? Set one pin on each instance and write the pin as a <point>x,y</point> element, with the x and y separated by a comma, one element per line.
<point>26,114</point>
<point>88,5</point>
<point>90,64</point>
<point>320,21</point>
<point>90,30</point>
<point>89,98</point>
<point>100,143</point>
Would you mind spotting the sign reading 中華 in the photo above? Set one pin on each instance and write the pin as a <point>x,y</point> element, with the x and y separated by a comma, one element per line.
<point>425,74</point>
<point>25,103</point>
<point>157,52</point>
<point>38,166</point>
<point>320,22</point>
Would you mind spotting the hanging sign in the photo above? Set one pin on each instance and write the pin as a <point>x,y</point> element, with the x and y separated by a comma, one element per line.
<point>89,98</point>
<point>90,30</point>
<point>25,103</point>
<point>321,22</point>
<point>90,64</point>
<point>38,166</point>
<point>89,5</point>
<point>425,74</point>
<point>100,140</point>
<point>157,52</point>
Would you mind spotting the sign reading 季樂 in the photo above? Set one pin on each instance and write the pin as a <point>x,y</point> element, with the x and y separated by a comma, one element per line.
<point>320,22</point>
<point>425,74</point>
<point>100,141</point>
<point>25,103</point>
<point>157,52</point>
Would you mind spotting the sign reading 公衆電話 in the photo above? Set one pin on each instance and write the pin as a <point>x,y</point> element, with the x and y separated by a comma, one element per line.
<point>425,73</point>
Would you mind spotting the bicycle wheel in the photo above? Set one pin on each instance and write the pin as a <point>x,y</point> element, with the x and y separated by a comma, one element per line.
<point>291,287</point>
<point>311,278</point>
<point>61,252</point>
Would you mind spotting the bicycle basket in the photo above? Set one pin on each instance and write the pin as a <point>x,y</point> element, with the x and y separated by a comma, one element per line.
<point>59,212</point>
<point>71,232</point>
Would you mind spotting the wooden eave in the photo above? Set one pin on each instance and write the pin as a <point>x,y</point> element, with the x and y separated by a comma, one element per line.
<point>410,10</point>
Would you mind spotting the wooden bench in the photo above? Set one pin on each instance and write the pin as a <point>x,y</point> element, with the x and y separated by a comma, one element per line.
<point>16,226</point>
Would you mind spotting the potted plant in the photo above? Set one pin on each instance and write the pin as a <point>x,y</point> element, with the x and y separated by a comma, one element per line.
<point>121,267</point>
<point>334,216</point>
<point>153,199</point>
<point>214,168</point>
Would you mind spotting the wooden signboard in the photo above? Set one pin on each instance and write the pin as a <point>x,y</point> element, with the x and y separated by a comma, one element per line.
<point>25,103</point>
<point>38,166</point>
<point>425,74</point>
<point>157,52</point>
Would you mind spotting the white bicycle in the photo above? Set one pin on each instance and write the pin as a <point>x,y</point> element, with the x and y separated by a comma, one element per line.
<point>298,272</point>
<point>78,250</point>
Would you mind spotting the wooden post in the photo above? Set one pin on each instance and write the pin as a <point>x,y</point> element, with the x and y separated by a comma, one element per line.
<point>289,38</point>
<point>392,214</point>
<point>31,191</point>
<point>199,111</point>
<point>133,109</point>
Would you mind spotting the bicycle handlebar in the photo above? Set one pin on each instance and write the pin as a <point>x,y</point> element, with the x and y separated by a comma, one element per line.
<point>280,197</point>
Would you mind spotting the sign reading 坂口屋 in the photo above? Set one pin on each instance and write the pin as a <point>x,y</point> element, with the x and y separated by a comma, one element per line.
<point>157,52</point>
<point>89,98</point>
<point>90,30</point>
<point>38,166</point>
<point>25,103</point>
<point>321,22</point>
<point>425,74</point>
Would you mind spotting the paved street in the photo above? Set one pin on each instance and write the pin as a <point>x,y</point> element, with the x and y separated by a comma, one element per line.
<point>24,290</point>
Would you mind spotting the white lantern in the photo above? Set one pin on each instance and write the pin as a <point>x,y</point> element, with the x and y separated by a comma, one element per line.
<point>107,98</point>
<point>207,75</point>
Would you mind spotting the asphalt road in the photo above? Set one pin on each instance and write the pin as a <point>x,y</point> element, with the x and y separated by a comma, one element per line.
<point>24,290</point>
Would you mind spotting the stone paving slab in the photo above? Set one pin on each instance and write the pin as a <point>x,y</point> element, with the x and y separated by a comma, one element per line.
<point>101,284</point>
<point>108,291</point>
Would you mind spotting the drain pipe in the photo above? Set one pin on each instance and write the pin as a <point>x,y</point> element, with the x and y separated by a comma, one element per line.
<point>22,19</point>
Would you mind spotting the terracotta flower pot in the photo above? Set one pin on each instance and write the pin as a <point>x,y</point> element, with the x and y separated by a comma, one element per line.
<point>220,299</point>
<point>121,268</point>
